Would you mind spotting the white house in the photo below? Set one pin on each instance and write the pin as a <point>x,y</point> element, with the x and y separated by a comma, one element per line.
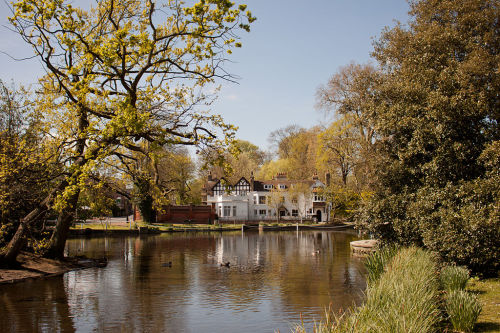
<point>254,200</point>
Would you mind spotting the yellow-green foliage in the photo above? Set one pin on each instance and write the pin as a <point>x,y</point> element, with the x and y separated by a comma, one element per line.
<point>125,72</point>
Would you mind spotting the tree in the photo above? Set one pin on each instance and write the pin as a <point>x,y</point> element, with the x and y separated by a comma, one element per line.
<point>297,155</point>
<point>241,160</point>
<point>438,117</point>
<point>120,74</point>
<point>27,165</point>
<point>338,149</point>
<point>280,139</point>
<point>275,200</point>
<point>300,195</point>
<point>353,95</point>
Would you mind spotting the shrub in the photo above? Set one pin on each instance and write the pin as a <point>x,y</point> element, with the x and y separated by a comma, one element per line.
<point>454,278</point>
<point>463,310</point>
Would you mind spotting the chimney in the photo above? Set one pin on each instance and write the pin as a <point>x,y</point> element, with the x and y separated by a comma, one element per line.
<point>252,180</point>
<point>315,176</point>
<point>327,179</point>
<point>209,177</point>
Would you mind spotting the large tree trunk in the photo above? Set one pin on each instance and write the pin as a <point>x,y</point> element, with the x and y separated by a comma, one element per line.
<point>60,234</point>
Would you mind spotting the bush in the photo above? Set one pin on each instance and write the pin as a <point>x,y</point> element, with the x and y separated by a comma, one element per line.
<point>463,310</point>
<point>376,262</point>
<point>459,222</point>
<point>454,278</point>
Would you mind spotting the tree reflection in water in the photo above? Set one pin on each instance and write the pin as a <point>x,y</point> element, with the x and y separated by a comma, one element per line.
<point>273,279</point>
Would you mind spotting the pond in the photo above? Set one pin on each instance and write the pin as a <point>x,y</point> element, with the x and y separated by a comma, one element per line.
<point>274,280</point>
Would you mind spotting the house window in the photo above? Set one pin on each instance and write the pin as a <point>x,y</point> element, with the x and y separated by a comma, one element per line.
<point>268,186</point>
<point>255,200</point>
<point>262,200</point>
<point>269,212</point>
<point>234,211</point>
<point>262,212</point>
<point>318,197</point>
<point>295,212</point>
<point>282,199</point>
<point>282,186</point>
<point>294,200</point>
<point>227,210</point>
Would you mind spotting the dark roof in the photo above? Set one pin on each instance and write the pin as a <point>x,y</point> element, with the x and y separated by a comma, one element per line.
<point>258,185</point>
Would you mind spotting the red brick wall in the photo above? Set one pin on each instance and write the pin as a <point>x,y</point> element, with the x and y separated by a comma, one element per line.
<point>186,214</point>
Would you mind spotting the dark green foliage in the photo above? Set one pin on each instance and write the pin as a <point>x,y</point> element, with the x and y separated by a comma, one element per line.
<point>437,176</point>
<point>144,198</point>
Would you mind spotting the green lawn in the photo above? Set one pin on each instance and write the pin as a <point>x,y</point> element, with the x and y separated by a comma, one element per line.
<point>488,291</point>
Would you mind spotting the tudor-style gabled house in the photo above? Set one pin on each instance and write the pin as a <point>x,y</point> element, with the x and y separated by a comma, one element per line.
<point>254,200</point>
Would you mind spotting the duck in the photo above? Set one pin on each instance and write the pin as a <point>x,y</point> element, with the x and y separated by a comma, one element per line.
<point>315,252</point>
<point>167,264</point>
<point>227,264</point>
<point>102,262</point>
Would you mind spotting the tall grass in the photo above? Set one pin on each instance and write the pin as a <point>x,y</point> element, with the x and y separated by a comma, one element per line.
<point>404,298</point>
<point>463,309</point>
<point>454,278</point>
<point>376,262</point>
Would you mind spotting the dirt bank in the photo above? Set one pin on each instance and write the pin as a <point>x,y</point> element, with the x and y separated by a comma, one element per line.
<point>34,267</point>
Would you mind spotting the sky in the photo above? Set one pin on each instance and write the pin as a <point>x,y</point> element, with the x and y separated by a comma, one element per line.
<point>292,48</point>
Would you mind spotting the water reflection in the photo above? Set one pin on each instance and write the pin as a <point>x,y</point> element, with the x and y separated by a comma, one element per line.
<point>272,279</point>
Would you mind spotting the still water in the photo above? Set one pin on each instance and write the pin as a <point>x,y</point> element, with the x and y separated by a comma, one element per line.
<point>275,279</point>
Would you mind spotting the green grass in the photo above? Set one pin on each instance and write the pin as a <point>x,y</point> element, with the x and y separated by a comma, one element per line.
<point>488,292</point>
<point>98,226</point>
<point>167,227</point>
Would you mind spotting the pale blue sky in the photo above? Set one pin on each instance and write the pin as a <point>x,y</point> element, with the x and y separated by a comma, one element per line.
<point>293,47</point>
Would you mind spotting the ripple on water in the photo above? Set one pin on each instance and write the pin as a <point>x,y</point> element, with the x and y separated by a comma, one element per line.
<point>272,283</point>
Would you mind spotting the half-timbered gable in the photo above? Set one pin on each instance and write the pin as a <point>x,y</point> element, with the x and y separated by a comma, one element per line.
<point>242,187</point>
<point>221,187</point>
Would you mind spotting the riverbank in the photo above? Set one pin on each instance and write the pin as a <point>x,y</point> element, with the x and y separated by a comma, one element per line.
<point>31,266</point>
<point>101,229</point>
